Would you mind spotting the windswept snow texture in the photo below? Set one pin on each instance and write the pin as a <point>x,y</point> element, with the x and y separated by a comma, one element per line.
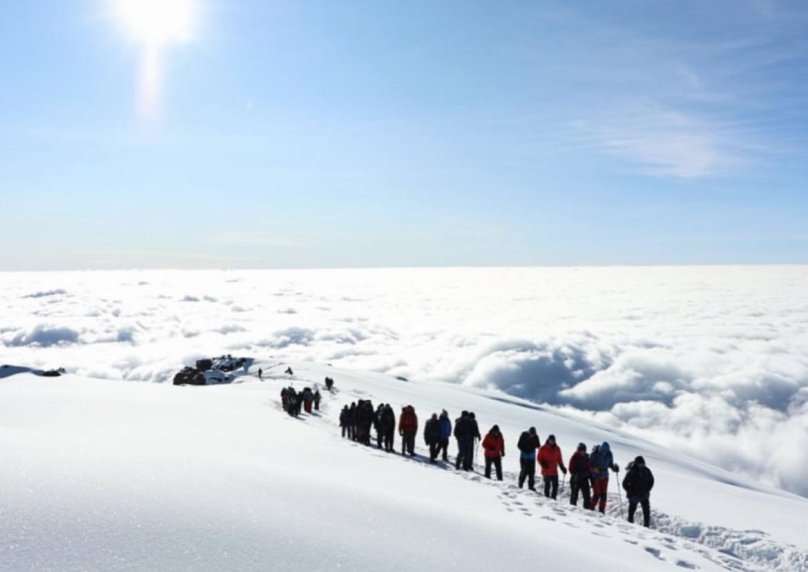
<point>709,361</point>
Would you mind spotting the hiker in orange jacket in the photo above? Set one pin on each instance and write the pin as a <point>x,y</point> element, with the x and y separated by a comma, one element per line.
<point>550,460</point>
<point>494,446</point>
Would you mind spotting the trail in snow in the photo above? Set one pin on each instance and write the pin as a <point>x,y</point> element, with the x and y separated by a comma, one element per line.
<point>666,540</point>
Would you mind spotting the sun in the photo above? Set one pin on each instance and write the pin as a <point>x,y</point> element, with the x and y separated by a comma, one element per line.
<point>156,23</point>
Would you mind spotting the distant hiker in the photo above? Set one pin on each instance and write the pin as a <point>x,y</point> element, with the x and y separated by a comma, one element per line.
<point>364,421</point>
<point>289,371</point>
<point>638,483</point>
<point>579,476</point>
<point>308,399</point>
<point>464,433</point>
<point>329,383</point>
<point>377,425</point>
<point>292,402</point>
<point>528,443</point>
<point>344,421</point>
<point>317,397</point>
<point>445,434</point>
<point>494,447</point>
<point>601,461</point>
<point>284,399</point>
<point>260,374</point>
<point>550,460</point>
<point>432,436</point>
<point>352,421</point>
<point>388,428</point>
<point>407,428</point>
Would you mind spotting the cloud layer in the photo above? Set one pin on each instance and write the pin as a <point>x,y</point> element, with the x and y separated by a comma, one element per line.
<point>709,361</point>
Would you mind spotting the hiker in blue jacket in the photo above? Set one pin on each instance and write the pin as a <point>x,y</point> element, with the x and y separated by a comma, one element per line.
<point>445,434</point>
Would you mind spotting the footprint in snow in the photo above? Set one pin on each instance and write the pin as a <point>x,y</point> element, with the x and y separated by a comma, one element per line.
<point>686,564</point>
<point>655,552</point>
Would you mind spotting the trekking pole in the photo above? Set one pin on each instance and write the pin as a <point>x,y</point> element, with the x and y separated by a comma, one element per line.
<point>619,498</point>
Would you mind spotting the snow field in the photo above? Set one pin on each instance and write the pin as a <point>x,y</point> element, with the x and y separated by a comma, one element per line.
<point>104,475</point>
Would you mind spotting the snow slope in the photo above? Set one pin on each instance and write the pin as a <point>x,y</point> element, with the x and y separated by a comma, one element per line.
<point>108,475</point>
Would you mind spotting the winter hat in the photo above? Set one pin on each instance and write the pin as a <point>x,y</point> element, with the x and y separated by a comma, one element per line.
<point>551,438</point>
<point>532,430</point>
<point>495,428</point>
<point>581,447</point>
<point>639,460</point>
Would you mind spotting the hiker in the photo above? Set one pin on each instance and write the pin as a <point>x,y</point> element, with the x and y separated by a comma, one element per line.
<point>308,398</point>
<point>344,421</point>
<point>292,402</point>
<point>298,401</point>
<point>377,424</point>
<point>260,374</point>
<point>352,421</point>
<point>432,434</point>
<point>494,447</point>
<point>638,482</point>
<point>317,397</point>
<point>284,399</point>
<point>388,427</point>
<point>550,460</point>
<point>329,383</point>
<point>601,461</point>
<point>364,420</point>
<point>464,433</point>
<point>289,371</point>
<point>445,434</point>
<point>579,476</point>
<point>528,443</point>
<point>407,428</point>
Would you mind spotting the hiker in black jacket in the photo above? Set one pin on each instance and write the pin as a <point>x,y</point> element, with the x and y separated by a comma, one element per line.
<point>432,436</point>
<point>464,433</point>
<point>345,422</point>
<point>528,443</point>
<point>638,482</point>
<point>387,425</point>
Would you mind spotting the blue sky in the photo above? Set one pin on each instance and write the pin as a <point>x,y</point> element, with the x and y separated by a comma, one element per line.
<point>329,134</point>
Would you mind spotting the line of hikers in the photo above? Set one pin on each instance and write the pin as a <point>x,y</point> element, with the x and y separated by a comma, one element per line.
<point>589,472</point>
<point>292,401</point>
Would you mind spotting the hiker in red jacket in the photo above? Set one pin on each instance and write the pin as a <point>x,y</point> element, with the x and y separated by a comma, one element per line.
<point>550,460</point>
<point>579,476</point>
<point>408,428</point>
<point>494,446</point>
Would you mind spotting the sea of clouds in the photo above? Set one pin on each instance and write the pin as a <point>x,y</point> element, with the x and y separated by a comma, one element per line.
<point>712,361</point>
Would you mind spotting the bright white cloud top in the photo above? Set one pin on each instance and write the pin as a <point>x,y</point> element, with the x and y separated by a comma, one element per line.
<point>701,370</point>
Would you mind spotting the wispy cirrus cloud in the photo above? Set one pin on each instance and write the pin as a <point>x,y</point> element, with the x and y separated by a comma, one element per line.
<point>666,142</point>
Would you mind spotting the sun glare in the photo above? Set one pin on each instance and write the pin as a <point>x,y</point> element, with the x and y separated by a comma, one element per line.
<point>157,22</point>
<point>154,25</point>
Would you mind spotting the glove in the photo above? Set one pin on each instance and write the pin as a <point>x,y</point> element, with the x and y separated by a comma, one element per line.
<point>616,468</point>
<point>564,470</point>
